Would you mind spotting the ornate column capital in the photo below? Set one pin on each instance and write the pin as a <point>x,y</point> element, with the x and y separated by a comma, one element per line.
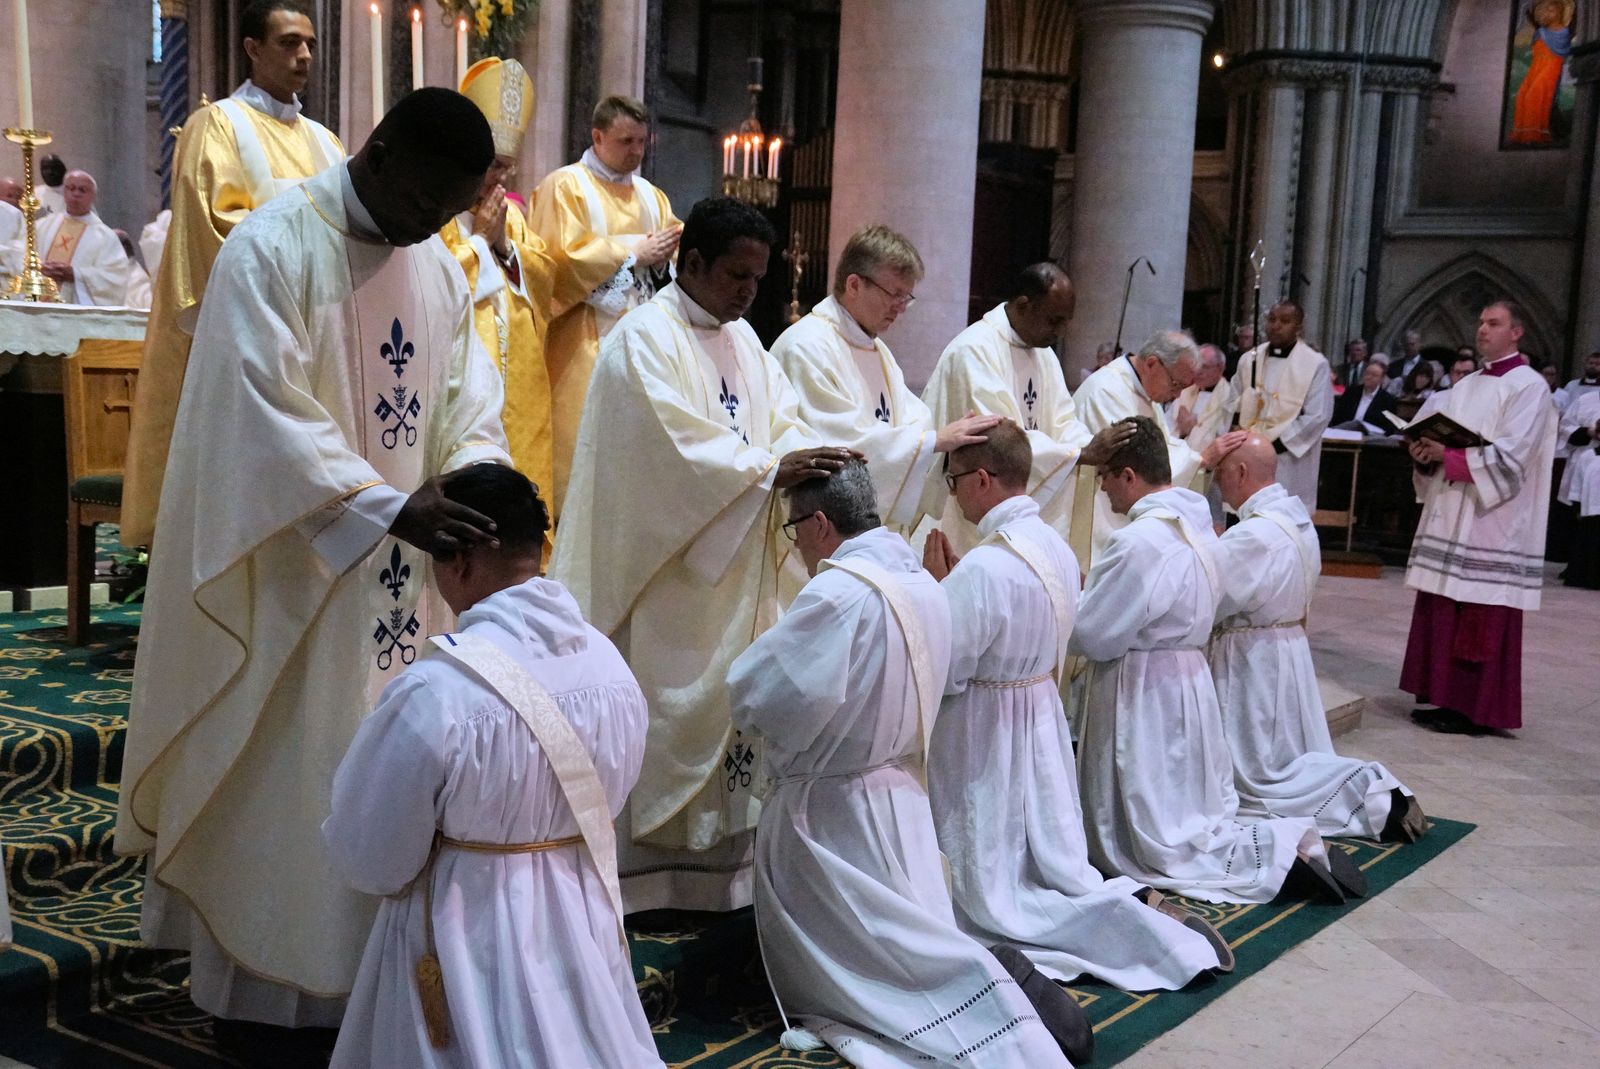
<point>1320,70</point>
<point>1192,15</point>
<point>175,9</point>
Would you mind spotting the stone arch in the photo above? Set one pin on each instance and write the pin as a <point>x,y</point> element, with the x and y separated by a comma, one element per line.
<point>1445,307</point>
<point>1204,272</point>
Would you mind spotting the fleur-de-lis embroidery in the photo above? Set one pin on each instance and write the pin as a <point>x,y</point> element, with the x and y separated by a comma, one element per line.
<point>736,762</point>
<point>1030,397</point>
<point>396,575</point>
<point>882,411</point>
<point>728,400</point>
<point>397,351</point>
<point>402,412</point>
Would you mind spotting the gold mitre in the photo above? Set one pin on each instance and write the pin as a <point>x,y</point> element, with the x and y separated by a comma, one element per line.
<point>503,91</point>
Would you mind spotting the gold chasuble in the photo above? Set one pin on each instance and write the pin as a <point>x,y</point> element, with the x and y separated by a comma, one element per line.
<point>590,227</point>
<point>331,374</point>
<point>231,158</point>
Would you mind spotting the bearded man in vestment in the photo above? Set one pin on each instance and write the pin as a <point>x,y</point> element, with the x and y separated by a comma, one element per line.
<point>81,252</point>
<point>1285,392</point>
<point>1135,384</point>
<point>335,376</point>
<point>855,923</point>
<point>1003,365</point>
<point>851,389</point>
<point>1157,783</point>
<point>671,546</point>
<point>507,269</point>
<point>1000,765</point>
<point>613,236</point>
<point>231,158</point>
<point>1477,561</point>
<point>1284,764</point>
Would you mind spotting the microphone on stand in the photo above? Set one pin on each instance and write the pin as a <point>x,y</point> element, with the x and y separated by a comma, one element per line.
<point>1127,291</point>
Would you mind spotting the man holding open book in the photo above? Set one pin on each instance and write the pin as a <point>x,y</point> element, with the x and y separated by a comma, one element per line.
<point>1482,454</point>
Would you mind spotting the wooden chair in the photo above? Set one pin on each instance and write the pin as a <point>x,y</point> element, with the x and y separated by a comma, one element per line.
<point>97,384</point>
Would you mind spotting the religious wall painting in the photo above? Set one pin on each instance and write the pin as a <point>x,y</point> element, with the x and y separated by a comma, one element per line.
<point>1540,92</point>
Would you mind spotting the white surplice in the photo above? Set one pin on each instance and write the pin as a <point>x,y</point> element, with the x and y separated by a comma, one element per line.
<point>533,971</point>
<point>669,540</point>
<point>1284,764</point>
<point>855,920</point>
<point>331,374</point>
<point>1153,764</point>
<point>13,239</point>
<point>988,368</point>
<point>851,392</point>
<point>1289,401</point>
<point>1483,541</point>
<point>1002,783</point>
<point>1113,393</point>
<point>99,266</point>
<point>1581,414</point>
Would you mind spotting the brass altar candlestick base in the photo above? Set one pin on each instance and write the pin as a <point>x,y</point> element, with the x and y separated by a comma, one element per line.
<point>32,284</point>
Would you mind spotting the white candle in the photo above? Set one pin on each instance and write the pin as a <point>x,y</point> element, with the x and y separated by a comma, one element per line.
<point>377,65</point>
<point>747,157</point>
<point>772,158</point>
<point>19,9</point>
<point>727,154</point>
<point>416,48</point>
<point>461,51</point>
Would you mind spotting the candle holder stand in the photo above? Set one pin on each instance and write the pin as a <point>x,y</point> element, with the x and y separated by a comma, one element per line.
<point>32,284</point>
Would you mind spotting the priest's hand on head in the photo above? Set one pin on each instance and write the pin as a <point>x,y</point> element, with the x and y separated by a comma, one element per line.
<point>433,523</point>
<point>1107,442</point>
<point>1220,447</point>
<point>1183,422</point>
<point>970,429</point>
<point>938,556</point>
<point>657,248</point>
<point>803,464</point>
<point>489,218</point>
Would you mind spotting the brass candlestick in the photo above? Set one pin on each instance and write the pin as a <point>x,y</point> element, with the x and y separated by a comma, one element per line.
<point>32,284</point>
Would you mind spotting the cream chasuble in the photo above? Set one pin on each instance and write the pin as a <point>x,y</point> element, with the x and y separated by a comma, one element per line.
<point>988,369</point>
<point>331,375</point>
<point>1288,401</point>
<point>12,239</point>
<point>851,392</point>
<point>1114,392</point>
<point>229,160</point>
<point>671,547</point>
<point>590,227</point>
<point>99,266</point>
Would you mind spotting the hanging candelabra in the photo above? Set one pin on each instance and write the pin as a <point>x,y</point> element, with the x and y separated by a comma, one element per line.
<point>749,161</point>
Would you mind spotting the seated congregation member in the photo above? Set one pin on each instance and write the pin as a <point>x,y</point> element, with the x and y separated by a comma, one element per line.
<point>1000,767</point>
<point>1153,764</point>
<point>1365,403</point>
<point>494,767</point>
<point>1284,764</point>
<point>854,919</point>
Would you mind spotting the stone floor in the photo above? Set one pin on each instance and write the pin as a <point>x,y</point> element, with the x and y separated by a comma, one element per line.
<point>1488,956</point>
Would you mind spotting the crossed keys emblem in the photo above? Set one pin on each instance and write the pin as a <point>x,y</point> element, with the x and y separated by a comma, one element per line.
<point>395,633</point>
<point>402,412</point>
<point>737,761</point>
<point>397,351</point>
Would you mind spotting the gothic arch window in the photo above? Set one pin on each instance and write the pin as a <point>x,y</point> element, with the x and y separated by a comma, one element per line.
<point>1444,306</point>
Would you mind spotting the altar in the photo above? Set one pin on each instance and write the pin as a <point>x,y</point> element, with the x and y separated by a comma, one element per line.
<point>34,339</point>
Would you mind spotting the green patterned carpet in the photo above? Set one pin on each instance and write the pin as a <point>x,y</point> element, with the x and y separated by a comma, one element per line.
<point>78,989</point>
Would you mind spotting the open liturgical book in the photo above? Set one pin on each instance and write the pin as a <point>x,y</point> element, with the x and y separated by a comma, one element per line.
<point>1439,427</point>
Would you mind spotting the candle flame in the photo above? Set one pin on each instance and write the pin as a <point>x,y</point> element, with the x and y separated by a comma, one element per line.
<point>416,15</point>
<point>373,8</point>
<point>777,142</point>
<point>461,24</point>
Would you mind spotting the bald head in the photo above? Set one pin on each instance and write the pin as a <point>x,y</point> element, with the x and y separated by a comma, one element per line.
<point>78,191</point>
<point>1250,467</point>
<point>11,192</point>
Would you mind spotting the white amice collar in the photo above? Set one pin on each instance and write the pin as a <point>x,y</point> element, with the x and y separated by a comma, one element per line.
<point>1008,511</point>
<point>696,316</point>
<point>830,309</point>
<point>592,161</point>
<point>1261,499</point>
<point>356,215</point>
<point>252,94</point>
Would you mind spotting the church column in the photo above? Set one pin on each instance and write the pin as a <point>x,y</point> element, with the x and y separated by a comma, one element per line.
<point>1585,329</point>
<point>910,75</point>
<point>1133,165</point>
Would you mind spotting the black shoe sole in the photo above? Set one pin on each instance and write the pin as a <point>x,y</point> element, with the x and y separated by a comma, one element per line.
<point>1407,823</point>
<point>1311,880</point>
<point>1058,1011</point>
<point>1342,867</point>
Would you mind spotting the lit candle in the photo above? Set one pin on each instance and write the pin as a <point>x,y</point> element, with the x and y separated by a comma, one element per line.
<point>727,155</point>
<point>755,150</point>
<point>461,50</point>
<point>772,158</point>
<point>19,9</point>
<point>747,157</point>
<point>377,64</point>
<point>416,48</point>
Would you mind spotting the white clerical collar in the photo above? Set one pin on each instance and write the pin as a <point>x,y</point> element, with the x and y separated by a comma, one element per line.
<point>356,215</point>
<point>1261,499</point>
<point>697,316</point>
<point>1132,372</point>
<point>592,161</point>
<point>252,94</point>
<point>1008,511</point>
<point>881,545</point>
<point>996,317</point>
<point>830,309</point>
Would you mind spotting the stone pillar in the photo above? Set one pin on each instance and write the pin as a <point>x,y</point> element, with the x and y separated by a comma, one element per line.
<point>906,153</point>
<point>1133,165</point>
<point>623,26</point>
<point>1586,311</point>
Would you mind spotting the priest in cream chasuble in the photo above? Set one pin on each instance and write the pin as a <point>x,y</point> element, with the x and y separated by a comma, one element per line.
<point>507,269</point>
<point>335,373</point>
<point>231,158</point>
<point>1002,365</point>
<point>1285,393</point>
<point>670,544</point>
<point>613,235</point>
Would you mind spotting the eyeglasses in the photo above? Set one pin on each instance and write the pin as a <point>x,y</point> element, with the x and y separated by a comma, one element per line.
<point>905,300</point>
<point>953,477</point>
<point>790,529</point>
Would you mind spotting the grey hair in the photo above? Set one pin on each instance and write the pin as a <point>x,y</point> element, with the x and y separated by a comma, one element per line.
<point>1213,354</point>
<point>847,498</point>
<point>1171,346</point>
